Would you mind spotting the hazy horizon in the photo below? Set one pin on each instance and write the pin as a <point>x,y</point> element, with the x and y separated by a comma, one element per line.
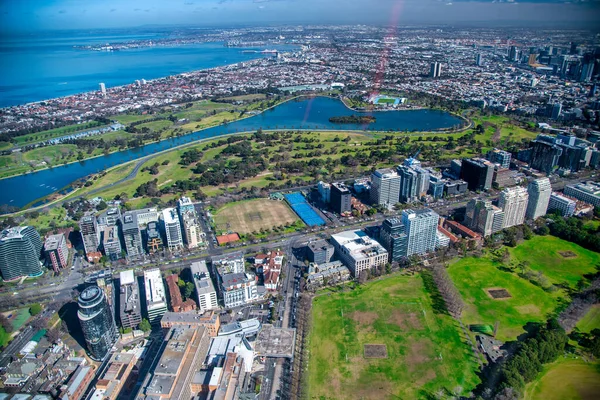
<point>30,16</point>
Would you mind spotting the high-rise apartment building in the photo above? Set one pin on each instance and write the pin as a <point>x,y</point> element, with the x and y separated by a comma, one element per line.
<point>394,238</point>
<point>102,88</point>
<point>156,301</point>
<point>340,198</point>
<point>478,173</point>
<point>421,230</point>
<point>385,187</point>
<point>482,216</point>
<point>90,233</point>
<point>513,202</point>
<point>97,322</point>
<point>130,312</point>
<point>20,251</point>
<point>501,157</point>
<point>192,231</point>
<point>539,192</point>
<point>56,251</point>
<point>132,236</point>
<point>172,228</point>
<point>435,70</point>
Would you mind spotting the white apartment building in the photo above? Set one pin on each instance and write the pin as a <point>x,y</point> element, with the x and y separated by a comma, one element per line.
<point>238,289</point>
<point>156,301</point>
<point>207,295</point>
<point>420,227</point>
<point>385,187</point>
<point>513,202</point>
<point>358,251</point>
<point>562,204</point>
<point>539,197</point>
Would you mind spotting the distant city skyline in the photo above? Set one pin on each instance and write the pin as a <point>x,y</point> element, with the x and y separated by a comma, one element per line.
<point>40,15</point>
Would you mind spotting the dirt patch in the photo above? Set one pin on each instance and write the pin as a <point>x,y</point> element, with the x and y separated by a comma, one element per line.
<point>375,351</point>
<point>406,321</point>
<point>419,353</point>
<point>426,377</point>
<point>364,317</point>
<point>567,254</point>
<point>498,293</point>
<point>380,388</point>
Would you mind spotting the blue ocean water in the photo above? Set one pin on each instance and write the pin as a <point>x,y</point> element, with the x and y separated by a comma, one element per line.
<point>35,68</point>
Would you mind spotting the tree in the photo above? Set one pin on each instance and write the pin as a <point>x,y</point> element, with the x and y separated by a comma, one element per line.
<point>53,335</point>
<point>145,325</point>
<point>101,206</point>
<point>5,323</point>
<point>35,309</point>
<point>527,232</point>
<point>188,290</point>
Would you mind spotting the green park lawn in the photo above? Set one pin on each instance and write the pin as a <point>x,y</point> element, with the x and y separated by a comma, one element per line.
<point>126,119</point>
<point>5,146</point>
<point>591,320</point>
<point>4,337</point>
<point>544,254</point>
<point>425,351</point>
<point>566,379</point>
<point>528,302</point>
<point>57,132</point>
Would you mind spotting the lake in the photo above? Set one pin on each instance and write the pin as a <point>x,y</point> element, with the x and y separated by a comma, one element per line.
<point>304,113</point>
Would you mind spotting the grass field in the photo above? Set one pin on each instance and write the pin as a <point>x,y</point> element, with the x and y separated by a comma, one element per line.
<point>20,317</point>
<point>566,379</point>
<point>528,303</point>
<point>57,132</point>
<point>5,146</point>
<point>591,320</point>
<point>253,215</point>
<point>544,254</point>
<point>425,353</point>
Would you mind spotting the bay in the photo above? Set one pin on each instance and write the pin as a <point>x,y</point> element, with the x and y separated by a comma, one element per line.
<point>304,113</point>
<point>40,68</point>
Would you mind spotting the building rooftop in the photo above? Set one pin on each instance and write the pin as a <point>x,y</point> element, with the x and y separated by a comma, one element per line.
<point>14,232</point>
<point>53,241</point>
<point>358,244</point>
<point>130,220</point>
<point>169,215</point>
<point>201,277</point>
<point>155,289</point>
<point>126,277</point>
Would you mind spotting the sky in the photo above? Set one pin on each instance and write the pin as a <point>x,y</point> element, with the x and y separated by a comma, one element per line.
<point>18,16</point>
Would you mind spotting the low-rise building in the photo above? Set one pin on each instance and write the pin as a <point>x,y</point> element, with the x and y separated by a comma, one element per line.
<point>320,251</point>
<point>238,289</point>
<point>327,273</point>
<point>564,205</point>
<point>76,386</point>
<point>358,251</point>
<point>177,303</point>
<point>209,319</point>
<point>587,191</point>
<point>130,312</point>
<point>111,382</point>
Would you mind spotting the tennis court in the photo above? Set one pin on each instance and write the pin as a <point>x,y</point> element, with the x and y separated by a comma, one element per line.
<point>303,209</point>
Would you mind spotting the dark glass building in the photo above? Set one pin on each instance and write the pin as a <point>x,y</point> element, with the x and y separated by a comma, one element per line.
<point>340,198</point>
<point>97,322</point>
<point>478,173</point>
<point>393,237</point>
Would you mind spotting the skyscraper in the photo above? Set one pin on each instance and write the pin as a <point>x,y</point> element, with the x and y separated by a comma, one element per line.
<point>97,322</point>
<point>482,216</point>
<point>385,187</point>
<point>539,192</point>
<point>435,70</point>
<point>408,184</point>
<point>340,198</point>
<point>556,110</point>
<point>90,233</point>
<point>513,54</point>
<point>132,236</point>
<point>478,173</point>
<point>421,230</point>
<point>393,238</point>
<point>20,251</point>
<point>102,88</point>
<point>513,202</point>
<point>544,156</point>
<point>111,243</point>
<point>172,229</point>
